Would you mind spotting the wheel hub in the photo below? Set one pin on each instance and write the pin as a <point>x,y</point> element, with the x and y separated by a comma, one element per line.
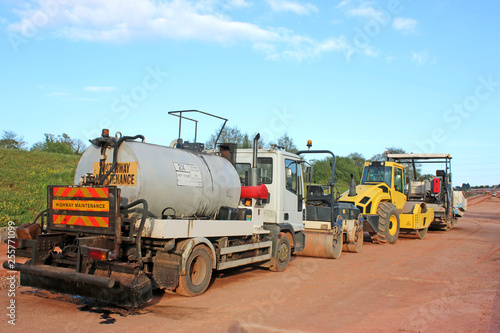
<point>393,225</point>
<point>283,253</point>
<point>198,270</point>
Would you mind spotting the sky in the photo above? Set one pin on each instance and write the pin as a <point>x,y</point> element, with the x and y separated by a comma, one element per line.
<point>350,75</point>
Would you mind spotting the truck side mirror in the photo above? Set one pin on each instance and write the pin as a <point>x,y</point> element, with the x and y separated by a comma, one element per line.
<point>308,174</point>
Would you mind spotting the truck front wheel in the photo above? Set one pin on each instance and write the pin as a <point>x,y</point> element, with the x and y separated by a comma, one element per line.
<point>282,258</point>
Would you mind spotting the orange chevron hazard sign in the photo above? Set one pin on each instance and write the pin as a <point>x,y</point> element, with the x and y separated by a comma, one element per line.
<point>88,221</point>
<point>81,192</point>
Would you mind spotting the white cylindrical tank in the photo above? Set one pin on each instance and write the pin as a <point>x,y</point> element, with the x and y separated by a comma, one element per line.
<point>192,183</point>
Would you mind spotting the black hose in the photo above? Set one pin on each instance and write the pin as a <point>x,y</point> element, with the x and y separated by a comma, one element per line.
<point>115,155</point>
<point>39,215</point>
<point>141,226</point>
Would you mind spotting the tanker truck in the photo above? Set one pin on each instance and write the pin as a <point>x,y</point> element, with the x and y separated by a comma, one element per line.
<point>142,216</point>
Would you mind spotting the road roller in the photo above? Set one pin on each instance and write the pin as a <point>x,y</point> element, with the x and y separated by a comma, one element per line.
<point>382,198</point>
<point>330,227</point>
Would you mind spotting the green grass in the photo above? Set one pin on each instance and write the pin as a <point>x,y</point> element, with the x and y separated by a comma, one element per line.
<point>24,177</point>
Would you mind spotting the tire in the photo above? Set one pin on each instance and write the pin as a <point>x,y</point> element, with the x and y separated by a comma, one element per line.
<point>198,273</point>
<point>280,262</point>
<point>388,224</point>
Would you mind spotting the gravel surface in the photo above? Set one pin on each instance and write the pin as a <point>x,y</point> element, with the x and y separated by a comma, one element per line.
<point>448,282</point>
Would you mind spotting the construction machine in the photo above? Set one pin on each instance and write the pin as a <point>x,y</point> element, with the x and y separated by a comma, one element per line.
<point>437,192</point>
<point>382,198</point>
<point>329,226</point>
<point>142,216</point>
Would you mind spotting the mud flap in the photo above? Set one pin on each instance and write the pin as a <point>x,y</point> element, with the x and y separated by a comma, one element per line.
<point>166,270</point>
<point>372,225</point>
<point>299,242</point>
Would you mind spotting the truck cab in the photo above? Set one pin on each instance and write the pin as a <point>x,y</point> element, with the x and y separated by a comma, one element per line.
<point>281,173</point>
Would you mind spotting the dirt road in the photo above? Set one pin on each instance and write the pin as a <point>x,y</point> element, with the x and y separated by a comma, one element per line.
<point>448,282</point>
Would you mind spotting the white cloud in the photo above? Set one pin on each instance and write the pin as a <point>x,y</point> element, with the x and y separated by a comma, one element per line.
<point>365,10</point>
<point>205,20</point>
<point>405,25</point>
<point>99,89</point>
<point>301,48</point>
<point>292,6</point>
<point>116,20</point>
<point>343,3</point>
<point>422,57</point>
<point>237,4</point>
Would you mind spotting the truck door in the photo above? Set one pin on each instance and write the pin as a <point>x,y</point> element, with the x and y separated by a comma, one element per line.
<point>293,195</point>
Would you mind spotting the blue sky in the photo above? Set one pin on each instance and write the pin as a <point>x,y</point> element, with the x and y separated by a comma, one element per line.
<point>353,76</point>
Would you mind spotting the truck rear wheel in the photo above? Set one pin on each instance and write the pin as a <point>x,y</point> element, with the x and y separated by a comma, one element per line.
<point>198,273</point>
<point>388,224</point>
<point>280,262</point>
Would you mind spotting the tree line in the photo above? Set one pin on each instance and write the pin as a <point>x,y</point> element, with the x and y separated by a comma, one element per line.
<point>345,165</point>
<point>62,144</point>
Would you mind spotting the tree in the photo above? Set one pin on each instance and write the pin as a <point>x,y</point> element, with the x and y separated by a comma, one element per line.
<point>228,135</point>
<point>322,170</point>
<point>344,167</point>
<point>62,144</point>
<point>79,146</point>
<point>10,140</point>
<point>358,159</point>
<point>233,135</point>
<point>247,143</point>
<point>288,144</point>
<point>426,176</point>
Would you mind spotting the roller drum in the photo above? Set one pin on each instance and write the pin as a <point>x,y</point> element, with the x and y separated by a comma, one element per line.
<point>322,244</point>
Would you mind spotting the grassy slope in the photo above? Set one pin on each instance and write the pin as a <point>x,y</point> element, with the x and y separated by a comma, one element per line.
<point>24,177</point>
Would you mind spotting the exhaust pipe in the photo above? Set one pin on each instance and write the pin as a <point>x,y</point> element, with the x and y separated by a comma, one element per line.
<point>352,187</point>
<point>255,172</point>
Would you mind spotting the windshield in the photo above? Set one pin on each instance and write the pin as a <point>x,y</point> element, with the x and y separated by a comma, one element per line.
<point>266,166</point>
<point>377,174</point>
